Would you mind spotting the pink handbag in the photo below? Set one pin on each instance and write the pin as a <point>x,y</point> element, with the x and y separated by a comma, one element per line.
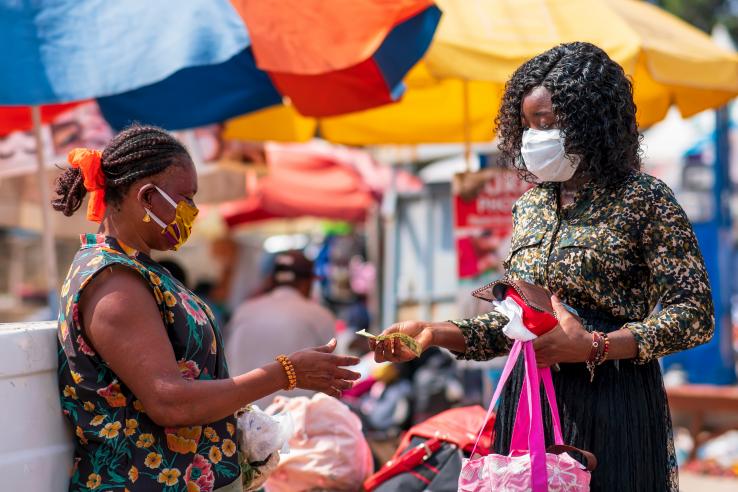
<point>528,467</point>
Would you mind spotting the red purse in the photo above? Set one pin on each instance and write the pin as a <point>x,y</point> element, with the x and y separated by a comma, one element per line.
<point>458,427</point>
<point>404,464</point>
<point>538,313</point>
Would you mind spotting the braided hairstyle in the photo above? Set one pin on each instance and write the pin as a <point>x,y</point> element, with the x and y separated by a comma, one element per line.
<point>592,100</point>
<point>135,153</point>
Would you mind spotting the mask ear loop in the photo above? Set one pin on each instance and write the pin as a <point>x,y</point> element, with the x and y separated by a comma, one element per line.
<point>166,197</point>
<point>150,214</point>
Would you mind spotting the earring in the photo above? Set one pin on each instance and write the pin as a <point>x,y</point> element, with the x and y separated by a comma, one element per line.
<point>147,217</point>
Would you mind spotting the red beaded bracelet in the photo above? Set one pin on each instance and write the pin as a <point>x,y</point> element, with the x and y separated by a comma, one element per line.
<point>595,347</point>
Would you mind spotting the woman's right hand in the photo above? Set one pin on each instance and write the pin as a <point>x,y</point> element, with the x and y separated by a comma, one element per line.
<point>393,350</point>
<point>319,369</point>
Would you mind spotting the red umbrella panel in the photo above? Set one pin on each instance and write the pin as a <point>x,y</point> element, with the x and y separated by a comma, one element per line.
<point>63,127</point>
<point>18,118</point>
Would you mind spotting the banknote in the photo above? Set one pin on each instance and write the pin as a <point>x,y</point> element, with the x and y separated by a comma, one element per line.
<point>406,340</point>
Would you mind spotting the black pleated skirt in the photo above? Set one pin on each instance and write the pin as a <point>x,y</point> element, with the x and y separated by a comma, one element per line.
<point>622,417</point>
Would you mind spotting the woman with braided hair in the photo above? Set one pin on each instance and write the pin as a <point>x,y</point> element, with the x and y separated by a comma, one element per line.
<point>142,371</point>
<point>613,243</point>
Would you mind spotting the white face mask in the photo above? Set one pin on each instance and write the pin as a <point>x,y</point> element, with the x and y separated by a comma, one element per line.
<point>544,155</point>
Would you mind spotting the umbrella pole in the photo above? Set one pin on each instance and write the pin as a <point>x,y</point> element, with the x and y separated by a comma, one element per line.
<point>390,252</point>
<point>466,123</point>
<point>49,249</point>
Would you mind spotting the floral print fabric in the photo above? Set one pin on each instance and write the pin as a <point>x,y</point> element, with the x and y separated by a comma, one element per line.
<point>117,447</point>
<point>618,251</point>
<point>496,472</point>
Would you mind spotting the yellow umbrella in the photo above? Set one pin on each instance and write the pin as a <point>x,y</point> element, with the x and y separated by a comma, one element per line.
<point>278,123</point>
<point>671,62</point>
<point>431,111</point>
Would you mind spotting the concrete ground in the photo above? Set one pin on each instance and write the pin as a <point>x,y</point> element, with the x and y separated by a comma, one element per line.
<point>689,482</point>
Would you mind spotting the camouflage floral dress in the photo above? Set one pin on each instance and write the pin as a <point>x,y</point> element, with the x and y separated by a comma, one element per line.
<point>614,255</point>
<point>117,446</point>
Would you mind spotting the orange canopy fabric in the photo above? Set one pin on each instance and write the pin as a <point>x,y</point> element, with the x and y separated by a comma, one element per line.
<point>310,37</point>
<point>18,118</point>
<point>332,57</point>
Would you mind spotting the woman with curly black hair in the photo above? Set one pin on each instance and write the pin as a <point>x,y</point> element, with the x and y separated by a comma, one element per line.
<point>613,243</point>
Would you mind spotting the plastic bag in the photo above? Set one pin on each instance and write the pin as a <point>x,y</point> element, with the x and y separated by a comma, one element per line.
<point>262,438</point>
<point>263,434</point>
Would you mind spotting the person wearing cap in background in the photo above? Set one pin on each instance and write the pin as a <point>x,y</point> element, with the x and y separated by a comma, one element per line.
<point>282,320</point>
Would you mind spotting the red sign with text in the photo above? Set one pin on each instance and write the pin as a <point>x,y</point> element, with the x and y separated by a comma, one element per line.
<point>483,204</point>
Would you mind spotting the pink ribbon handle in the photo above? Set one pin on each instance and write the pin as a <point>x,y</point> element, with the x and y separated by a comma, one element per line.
<point>506,371</point>
<point>519,441</point>
<point>536,440</point>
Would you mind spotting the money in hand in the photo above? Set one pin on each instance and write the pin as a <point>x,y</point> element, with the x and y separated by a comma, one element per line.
<point>406,340</point>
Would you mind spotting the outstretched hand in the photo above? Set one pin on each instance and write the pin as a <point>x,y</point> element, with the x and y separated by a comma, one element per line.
<point>319,369</point>
<point>393,350</point>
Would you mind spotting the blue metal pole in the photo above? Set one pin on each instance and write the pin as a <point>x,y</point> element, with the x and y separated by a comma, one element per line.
<point>714,362</point>
<point>724,284</point>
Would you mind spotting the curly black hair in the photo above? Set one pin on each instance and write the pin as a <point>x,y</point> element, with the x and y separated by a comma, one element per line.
<point>592,101</point>
<point>135,153</point>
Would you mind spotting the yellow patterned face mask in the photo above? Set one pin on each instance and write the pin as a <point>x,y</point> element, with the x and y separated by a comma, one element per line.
<point>178,231</point>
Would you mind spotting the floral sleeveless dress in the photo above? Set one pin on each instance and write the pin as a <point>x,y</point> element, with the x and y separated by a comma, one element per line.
<point>117,446</point>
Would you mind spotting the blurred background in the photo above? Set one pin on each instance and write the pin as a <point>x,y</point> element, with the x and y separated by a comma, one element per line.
<point>377,159</point>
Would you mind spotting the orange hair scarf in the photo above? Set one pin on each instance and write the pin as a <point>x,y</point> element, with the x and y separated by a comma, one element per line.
<point>88,161</point>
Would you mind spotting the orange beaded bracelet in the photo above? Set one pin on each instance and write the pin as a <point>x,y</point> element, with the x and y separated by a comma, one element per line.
<point>289,369</point>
